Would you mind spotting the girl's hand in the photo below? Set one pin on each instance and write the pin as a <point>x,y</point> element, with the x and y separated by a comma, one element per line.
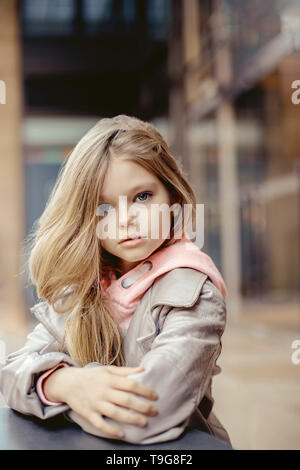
<point>94,392</point>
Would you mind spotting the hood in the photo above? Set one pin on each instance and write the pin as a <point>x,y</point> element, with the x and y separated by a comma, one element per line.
<point>125,293</point>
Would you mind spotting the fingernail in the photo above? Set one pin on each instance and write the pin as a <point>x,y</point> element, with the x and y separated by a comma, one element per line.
<point>153,411</point>
<point>142,422</point>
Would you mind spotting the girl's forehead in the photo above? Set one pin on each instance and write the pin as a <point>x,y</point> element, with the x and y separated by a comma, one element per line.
<point>125,165</point>
<point>126,177</point>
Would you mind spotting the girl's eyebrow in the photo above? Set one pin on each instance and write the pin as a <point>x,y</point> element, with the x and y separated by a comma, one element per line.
<point>135,189</point>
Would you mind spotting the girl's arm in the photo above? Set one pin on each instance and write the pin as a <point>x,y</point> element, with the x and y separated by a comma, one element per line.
<point>178,367</point>
<point>19,375</point>
<point>90,391</point>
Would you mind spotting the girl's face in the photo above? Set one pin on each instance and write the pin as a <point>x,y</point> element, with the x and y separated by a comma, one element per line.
<point>126,187</point>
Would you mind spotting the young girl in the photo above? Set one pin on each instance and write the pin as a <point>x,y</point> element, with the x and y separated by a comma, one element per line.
<point>128,332</point>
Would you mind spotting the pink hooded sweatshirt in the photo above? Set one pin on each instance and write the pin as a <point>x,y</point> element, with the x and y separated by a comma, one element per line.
<point>125,293</point>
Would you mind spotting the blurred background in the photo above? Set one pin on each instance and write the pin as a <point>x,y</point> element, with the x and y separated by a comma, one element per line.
<point>219,80</point>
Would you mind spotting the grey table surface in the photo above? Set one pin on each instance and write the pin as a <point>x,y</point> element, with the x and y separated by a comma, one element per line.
<point>24,432</point>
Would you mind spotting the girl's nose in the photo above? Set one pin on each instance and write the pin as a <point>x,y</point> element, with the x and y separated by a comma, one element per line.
<point>126,214</point>
<point>125,219</point>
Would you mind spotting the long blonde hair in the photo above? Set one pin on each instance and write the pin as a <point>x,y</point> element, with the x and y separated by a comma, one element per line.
<point>66,256</point>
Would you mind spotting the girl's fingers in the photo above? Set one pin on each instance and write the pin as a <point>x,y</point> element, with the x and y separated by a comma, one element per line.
<point>124,370</point>
<point>107,429</point>
<point>128,400</point>
<point>120,414</point>
<point>131,385</point>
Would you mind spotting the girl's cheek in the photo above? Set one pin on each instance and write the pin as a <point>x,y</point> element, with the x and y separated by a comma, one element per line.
<point>106,228</point>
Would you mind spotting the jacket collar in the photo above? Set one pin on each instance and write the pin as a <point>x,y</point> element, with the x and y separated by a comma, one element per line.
<point>180,287</point>
<point>125,294</point>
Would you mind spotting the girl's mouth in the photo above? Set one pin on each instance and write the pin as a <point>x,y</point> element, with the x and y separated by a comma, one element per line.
<point>132,241</point>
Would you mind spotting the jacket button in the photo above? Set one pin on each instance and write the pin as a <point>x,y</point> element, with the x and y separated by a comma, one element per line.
<point>128,281</point>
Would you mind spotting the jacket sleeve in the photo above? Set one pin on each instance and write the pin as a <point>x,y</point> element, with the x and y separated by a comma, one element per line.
<point>19,375</point>
<point>178,366</point>
<point>41,382</point>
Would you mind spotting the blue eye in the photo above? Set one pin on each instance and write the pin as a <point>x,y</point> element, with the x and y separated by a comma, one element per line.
<point>104,208</point>
<point>147,193</point>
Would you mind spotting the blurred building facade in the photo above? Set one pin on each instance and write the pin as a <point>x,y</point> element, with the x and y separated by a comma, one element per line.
<point>12,308</point>
<point>240,64</point>
<point>214,76</point>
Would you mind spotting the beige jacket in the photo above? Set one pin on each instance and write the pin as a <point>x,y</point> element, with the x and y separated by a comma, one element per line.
<point>175,333</point>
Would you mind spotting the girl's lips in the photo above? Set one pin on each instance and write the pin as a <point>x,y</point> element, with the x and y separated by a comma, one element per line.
<point>133,241</point>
